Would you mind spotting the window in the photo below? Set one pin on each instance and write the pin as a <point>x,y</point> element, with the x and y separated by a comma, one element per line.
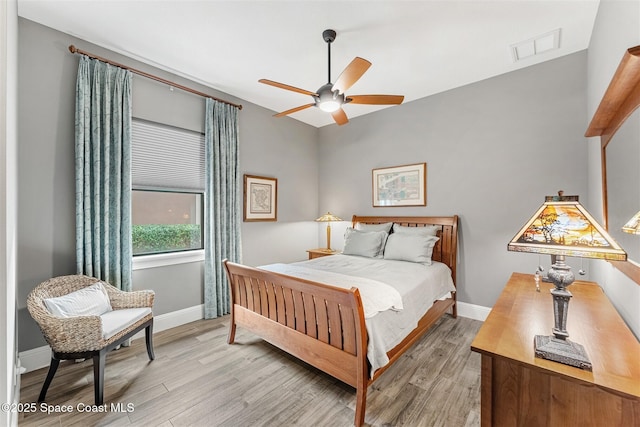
<point>166,221</point>
<point>167,198</point>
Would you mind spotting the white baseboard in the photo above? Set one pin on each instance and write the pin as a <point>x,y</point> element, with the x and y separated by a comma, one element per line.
<point>472,311</point>
<point>35,358</point>
<point>174,319</point>
<point>40,357</point>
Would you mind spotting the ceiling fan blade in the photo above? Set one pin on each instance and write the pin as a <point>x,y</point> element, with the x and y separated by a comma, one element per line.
<point>294,110</point>
<point>376,99</point>
<point>287,87</point>
<point>351,74</point>
<point>340,117</point>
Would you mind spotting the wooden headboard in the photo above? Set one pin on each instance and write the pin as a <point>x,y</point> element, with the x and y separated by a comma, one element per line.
<point>446,249</point>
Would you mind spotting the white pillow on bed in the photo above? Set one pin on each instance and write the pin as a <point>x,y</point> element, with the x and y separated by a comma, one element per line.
<point>410,247</point>
<point>364,243</point>
<point>386,227</point>
<point>427,230</point>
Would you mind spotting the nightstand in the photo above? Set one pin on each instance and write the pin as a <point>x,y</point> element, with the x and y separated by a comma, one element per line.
<point>317,253</point>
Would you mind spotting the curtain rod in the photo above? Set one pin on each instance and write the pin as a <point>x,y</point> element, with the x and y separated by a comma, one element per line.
<point>74,49</point>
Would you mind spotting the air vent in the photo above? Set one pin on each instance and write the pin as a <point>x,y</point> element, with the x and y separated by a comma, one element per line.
<point>536,45</point>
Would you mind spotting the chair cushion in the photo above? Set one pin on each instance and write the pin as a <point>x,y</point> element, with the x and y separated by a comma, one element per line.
<point>115,321</point>
<point>90,301</point>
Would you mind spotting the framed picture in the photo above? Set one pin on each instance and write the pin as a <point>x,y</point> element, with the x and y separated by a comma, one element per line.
<point>400,185</point>
<point>260,198</point>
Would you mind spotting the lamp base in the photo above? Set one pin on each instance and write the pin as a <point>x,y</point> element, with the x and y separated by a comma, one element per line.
<point>562,351</point>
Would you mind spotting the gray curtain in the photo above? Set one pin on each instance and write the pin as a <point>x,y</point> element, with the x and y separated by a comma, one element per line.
<point>222,203</point>
<point>103,172</point>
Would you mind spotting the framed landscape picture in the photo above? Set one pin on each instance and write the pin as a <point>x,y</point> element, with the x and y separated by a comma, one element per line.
<point>260,198</point>
<point>400,185</point>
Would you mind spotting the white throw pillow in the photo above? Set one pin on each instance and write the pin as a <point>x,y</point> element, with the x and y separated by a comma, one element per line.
<point>90,301</point>
<point>410,247</point>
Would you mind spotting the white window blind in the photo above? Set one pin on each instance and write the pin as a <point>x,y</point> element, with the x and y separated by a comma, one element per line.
<point>166,157</point>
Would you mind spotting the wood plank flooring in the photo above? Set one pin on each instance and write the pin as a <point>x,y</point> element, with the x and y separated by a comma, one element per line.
<point>197,379</point>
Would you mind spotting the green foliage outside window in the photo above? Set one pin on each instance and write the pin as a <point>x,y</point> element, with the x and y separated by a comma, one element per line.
<point>155,238</point>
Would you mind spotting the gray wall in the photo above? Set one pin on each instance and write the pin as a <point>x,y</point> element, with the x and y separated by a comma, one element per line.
<point>493,150</point>
<point>46,224</point>
<point>616,29</point>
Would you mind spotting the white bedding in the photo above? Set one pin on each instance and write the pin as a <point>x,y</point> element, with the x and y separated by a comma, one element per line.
<point>418,285</point>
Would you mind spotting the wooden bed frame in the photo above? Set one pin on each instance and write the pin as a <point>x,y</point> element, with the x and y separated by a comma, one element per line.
<point>324,325</point>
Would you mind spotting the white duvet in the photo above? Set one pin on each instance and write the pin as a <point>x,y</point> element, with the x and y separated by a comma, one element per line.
<point>380,282</point>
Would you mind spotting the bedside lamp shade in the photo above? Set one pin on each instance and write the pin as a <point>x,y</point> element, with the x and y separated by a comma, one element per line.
<point>566,228</point>
<point>562,227</point>
<point>328,218</point>
<point>633,225</point>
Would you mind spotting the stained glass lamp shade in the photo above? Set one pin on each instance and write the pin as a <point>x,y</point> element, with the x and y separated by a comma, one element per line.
<point>633,225</point>
<point>566,228</point>
<point>562,227</point>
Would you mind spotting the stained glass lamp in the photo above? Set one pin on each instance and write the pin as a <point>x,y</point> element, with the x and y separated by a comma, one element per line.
<point>633,225</point>
<point>563,227</point>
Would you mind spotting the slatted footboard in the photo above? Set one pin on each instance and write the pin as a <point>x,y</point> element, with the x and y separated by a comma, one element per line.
<point>319,324</point>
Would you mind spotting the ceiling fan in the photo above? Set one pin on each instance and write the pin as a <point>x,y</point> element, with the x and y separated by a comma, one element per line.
<point>330,97</point>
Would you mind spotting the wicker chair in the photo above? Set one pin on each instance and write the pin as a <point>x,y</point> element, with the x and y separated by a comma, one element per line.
<point>81,337</point>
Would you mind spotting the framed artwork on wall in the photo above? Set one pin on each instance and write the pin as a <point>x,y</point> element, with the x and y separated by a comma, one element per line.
<point>260,198</point>
<point>400,185</point>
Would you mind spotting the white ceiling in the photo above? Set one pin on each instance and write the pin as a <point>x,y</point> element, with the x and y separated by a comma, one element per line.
<point>418,48</point>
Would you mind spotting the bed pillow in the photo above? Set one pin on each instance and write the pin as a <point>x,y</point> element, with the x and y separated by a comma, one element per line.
<point>427,230</point>
<point>386,227</point>
<point>364,243</point>
<point>90,301</point>
<point>410,247</point>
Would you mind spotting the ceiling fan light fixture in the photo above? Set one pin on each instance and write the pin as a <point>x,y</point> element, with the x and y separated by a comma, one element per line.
<point>329,106</point>
<point>329,100</point>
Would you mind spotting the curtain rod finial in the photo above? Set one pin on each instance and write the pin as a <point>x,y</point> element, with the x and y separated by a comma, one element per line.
<point>72,48</point>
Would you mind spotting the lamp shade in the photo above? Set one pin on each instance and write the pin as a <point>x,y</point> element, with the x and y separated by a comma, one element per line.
<point>328,217</point>
<point>566,228</point>
<point>633,225</point>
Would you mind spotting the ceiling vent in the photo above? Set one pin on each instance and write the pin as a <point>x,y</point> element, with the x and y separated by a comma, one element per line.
<point>536,45</point>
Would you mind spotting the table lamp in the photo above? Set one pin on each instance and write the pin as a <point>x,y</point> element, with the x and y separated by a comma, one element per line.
<point>562,227</point>
<point>633,225</point>
<point>328,217</point>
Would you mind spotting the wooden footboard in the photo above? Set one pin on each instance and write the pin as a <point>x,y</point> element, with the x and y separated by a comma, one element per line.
<point>319,324</point>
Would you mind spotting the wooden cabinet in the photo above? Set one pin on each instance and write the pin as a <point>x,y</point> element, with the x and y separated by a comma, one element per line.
<point>519,389</point>
<point>317,253</point>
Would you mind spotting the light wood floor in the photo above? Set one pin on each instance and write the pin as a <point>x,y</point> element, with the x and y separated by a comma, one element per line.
<point>199,380</point>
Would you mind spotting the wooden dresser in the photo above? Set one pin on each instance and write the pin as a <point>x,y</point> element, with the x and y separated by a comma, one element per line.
<point>519,389</point>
